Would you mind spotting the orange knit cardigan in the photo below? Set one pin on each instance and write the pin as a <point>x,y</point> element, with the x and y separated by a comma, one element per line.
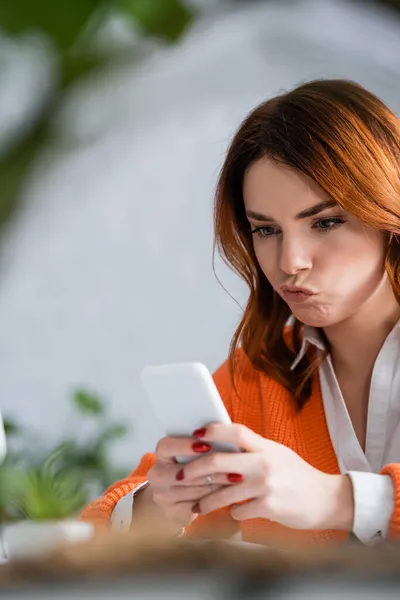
<point>267,408</point>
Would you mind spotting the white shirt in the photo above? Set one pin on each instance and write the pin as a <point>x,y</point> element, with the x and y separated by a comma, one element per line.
<point>373,493</point>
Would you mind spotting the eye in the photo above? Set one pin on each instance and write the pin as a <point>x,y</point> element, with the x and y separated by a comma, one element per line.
<point>264,232</point>
<point>328,224</point>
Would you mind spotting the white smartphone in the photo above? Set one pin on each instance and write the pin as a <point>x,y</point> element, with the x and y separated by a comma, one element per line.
<point>184,398</point>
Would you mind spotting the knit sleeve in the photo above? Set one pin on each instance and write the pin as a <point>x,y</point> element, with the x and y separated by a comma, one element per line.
<point>99,511</point>
<point>393,470</point>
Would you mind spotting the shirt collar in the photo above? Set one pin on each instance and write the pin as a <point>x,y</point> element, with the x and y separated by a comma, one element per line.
<point>311,336</point>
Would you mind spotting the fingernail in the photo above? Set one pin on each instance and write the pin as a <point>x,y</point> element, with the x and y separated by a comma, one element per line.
<point>180,475</point>
<point>201,447</point>
<point>196,509</point>
<point>234,477</point>
<point>199,433</point>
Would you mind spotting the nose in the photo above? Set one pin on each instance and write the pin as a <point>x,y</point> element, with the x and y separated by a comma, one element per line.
<point>294,256</point>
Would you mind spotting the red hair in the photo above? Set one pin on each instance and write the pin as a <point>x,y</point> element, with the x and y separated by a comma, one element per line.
<point>345,139</point>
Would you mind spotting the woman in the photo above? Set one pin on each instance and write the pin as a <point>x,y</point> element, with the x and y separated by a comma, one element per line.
<point>307,212</point>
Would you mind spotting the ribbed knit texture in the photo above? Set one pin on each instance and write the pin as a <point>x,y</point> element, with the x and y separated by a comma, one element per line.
<point>267,408</point>
<point>394,471</point>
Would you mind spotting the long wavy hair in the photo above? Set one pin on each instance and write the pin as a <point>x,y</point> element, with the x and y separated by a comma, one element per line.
<point>345,139</point>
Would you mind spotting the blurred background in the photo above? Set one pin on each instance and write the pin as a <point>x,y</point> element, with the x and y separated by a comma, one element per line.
<point>114,119</point>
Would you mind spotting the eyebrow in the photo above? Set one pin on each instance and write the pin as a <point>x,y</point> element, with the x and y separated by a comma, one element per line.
<point>304,214</point>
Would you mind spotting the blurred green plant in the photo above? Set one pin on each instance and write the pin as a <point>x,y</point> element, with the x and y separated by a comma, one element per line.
<point>41,483</point>
<point>71,26</point>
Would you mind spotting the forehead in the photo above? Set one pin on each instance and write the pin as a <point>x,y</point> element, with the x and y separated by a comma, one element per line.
<point>276,189</point>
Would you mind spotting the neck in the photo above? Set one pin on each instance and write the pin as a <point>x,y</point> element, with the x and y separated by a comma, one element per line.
<point>355,343</point>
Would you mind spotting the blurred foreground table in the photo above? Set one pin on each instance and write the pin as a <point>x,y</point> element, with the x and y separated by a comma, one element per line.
<point>127,565</point>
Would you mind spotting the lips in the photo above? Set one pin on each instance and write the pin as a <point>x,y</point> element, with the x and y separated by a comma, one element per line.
<point>297,297</point>
<point>296,294</point>
<point>295,288</point>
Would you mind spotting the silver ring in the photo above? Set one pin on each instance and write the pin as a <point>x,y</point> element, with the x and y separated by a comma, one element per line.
<point>209,481</point>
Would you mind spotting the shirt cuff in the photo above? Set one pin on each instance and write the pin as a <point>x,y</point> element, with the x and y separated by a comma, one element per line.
<point>373,505</point>
<point>121,517</point>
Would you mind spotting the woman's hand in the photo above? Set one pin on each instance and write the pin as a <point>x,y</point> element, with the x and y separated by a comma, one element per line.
<point>172,491</point>
<point>273,482</point>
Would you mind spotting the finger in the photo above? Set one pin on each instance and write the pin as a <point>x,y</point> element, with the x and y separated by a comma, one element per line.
<point>253,509</point>
<point>214,479</point>
<point>178,494</point>
<point>180,513</point>
<point>240,435</point>
<point>168,448</point>
<point>227,496</point>
<point>163,476</point>
<point>223,463</point>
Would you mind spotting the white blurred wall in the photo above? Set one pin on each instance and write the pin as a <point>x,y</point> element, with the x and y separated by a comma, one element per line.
<point>109,265</point>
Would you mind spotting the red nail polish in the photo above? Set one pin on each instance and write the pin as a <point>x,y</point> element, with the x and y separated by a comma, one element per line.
<point>234,477</point>
<point>180,475</point>
<point>196,509</point>
<point>199,433</point>
<point>201,447</point>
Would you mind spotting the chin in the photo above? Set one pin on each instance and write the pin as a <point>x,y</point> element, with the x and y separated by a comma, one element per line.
<point>313,319</point>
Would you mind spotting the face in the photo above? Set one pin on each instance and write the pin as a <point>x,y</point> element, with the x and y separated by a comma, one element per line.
<point>303,239</point>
